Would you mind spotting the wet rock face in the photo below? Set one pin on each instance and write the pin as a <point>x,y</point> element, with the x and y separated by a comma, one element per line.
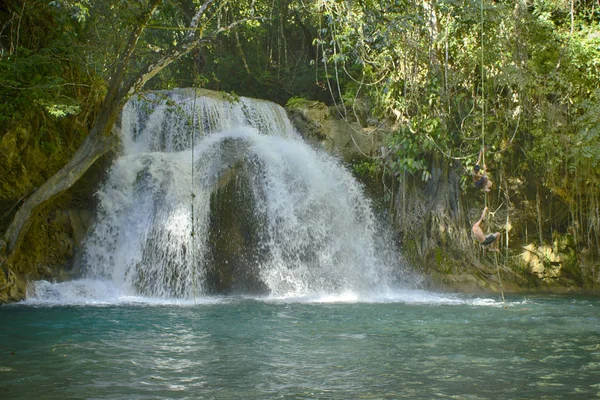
<point>49,252</point>
<point>236,229</point>
<point>234,236</point>
<point>12,287</point>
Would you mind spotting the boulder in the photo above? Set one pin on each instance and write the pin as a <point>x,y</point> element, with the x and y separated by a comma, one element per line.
<point>235,230</point>
<point>318,125</point>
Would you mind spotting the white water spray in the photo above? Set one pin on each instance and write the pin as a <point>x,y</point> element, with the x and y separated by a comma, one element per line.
<point>317,232</point>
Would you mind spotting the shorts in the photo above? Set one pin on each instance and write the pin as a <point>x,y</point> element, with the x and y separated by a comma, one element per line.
<point>489,240</point>
<point>479,184</point>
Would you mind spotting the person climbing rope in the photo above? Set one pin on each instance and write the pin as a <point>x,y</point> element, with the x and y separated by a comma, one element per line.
<point>481,238</point>
<point>480,178</point>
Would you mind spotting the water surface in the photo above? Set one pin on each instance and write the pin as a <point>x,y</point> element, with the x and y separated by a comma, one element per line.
<point>418,345</point>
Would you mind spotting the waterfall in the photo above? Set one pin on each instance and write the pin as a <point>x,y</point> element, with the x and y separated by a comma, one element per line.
<point>257,210</point>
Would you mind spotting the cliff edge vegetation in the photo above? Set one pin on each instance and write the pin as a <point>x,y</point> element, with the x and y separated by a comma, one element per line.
<point>446,80</point>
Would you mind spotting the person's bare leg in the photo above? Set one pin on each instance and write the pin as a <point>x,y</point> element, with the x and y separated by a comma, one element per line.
<point>487,184</point>
<point>495,246</point>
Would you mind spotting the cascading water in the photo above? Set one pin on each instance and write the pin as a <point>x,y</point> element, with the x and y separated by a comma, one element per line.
<point>297,224</point>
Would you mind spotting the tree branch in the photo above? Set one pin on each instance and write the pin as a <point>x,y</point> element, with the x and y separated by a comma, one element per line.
<point>100,140</point>
<point>173,54</point>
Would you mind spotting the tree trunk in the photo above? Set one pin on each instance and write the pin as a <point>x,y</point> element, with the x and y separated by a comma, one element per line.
<point>96,144</point>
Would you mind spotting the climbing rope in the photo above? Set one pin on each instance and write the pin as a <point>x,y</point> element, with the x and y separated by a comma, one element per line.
<point>499,279</point>
<point>193,194</point>
<point>482,103</point>
<point>485,202</point>
<point>483,140</point>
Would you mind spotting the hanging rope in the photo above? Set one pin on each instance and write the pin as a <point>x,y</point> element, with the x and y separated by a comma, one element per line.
<point>506,228</point>
<point>499,279</point>
<point>483,141</point>
<point>482,105</point>
<point>193,194</point>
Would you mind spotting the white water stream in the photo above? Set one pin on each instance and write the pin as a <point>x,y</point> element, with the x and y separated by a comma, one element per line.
<point>318,234</point>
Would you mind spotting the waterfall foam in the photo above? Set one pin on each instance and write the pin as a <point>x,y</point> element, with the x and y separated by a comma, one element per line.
<point>316,232</point>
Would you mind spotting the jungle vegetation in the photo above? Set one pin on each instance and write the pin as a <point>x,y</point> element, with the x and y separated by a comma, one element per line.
<point>443,77</point>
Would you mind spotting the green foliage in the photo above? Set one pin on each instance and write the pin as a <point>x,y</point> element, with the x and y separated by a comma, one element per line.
<point>46,67</point>
<point>268,57</point>
<point>366,168</point>
<point>523,79</point>
<point>297,103</point>
<point>49,90</point>
<point>407,152</point>
<point>231,97</point>
<point>78,10</point>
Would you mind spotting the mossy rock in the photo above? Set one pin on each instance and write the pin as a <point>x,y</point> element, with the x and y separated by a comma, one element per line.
<point>234,239</point>
<point>320,126</point>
